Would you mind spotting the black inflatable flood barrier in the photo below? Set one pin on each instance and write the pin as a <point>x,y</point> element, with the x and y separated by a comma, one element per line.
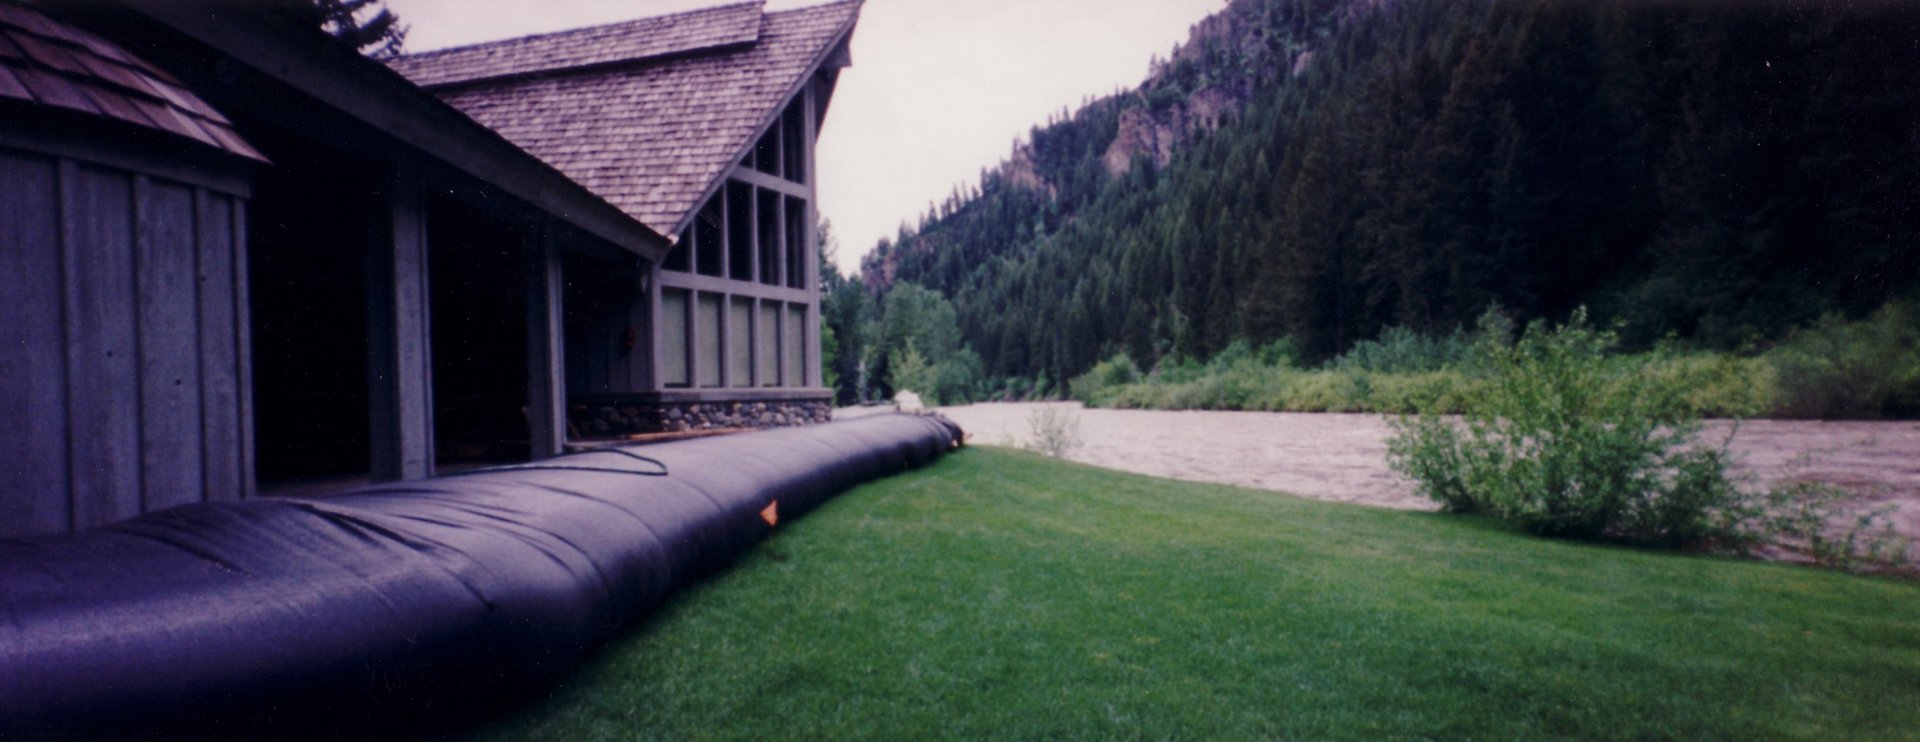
<point>380,609</point>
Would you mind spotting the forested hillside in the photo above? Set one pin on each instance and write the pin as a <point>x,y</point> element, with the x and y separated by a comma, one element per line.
<point>1321,170</point>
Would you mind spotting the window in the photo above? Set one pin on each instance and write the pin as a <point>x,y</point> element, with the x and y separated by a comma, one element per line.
<point>740,342</point>
<point>739,231</point>
<point>772,272</point>
<point>766,152</point>
<point>793,137</point>
<point>795,331</point>
<point>796,243</point>
<point>677,257</point>
<point>707,238</point>
<point>707,320</point>
<point>673,339</point>
<point>766,345</point>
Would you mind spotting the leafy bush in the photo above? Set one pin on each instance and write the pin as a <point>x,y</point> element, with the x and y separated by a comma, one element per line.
<point>1446,391</point>
<point>1846,369</point>
<point>1106,375</point>
<point>958,379</point>
<point>1568,440</point>
<point>1719,385</point>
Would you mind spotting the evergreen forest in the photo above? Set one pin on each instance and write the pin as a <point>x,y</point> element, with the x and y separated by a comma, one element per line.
<point>1320,173</point>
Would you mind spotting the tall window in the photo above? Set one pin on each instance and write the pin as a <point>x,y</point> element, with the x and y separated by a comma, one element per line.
<point>796,243</point>
<point>673,338</point>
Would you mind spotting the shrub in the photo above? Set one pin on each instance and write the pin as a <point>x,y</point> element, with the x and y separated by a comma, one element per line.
<point>911,372</point>
<point>1846,369</point>
<point>1816,519</point>
<point>958,378</point>
<point>1718,384</point>
<point>1055,431</point>
<point>1446,391</point>
<point>1400,350</point>
<point>1567,440</point>
<point>1105,376</point>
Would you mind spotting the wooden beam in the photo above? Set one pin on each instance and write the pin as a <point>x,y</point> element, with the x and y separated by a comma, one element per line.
<point>546,359</point>
<point>769,182</point>
<point>399,341</point>
<point>678,280</point>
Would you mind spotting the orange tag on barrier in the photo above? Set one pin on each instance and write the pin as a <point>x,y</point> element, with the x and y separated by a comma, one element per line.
<point>772,513</point>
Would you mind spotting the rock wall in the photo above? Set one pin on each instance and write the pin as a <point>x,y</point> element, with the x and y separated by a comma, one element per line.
<point>639,418</point>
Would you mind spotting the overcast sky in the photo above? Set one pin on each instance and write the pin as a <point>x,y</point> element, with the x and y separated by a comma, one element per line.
<point>939,89</point>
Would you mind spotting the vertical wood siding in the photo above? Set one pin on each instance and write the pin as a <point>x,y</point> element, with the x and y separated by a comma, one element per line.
<point>170,431</point>
<point>103,362</point>
<point>122,369</point>
<point>33,361</point>
<point>222,442</point>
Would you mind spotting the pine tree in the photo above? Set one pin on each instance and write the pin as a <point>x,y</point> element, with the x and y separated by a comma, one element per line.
<point>365,26</point>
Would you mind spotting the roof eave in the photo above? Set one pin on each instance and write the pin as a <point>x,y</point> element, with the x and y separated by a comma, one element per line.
<point>367,90</point>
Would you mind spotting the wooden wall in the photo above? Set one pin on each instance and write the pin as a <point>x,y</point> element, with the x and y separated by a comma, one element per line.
<point>123,351</point>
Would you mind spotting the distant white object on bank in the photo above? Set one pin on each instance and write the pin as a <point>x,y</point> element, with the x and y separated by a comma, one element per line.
<point>907,401</point>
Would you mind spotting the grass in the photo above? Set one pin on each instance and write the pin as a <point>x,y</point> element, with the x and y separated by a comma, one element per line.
<point>999,594</point>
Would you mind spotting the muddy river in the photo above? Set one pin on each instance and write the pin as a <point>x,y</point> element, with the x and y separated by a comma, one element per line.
<point>1343,458</point>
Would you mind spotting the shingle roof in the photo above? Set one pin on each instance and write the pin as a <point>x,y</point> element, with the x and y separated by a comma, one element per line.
<point>629,41</point>
<point>47,62</point>
<point>650,134</point>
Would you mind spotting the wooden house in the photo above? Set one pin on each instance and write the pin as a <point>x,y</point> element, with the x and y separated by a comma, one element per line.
<point>236,256</point>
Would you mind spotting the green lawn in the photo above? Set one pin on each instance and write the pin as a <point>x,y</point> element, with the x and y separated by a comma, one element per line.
<point>1002,595</point>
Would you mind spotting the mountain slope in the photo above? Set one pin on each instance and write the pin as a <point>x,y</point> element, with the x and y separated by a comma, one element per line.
<point>1323,169</point>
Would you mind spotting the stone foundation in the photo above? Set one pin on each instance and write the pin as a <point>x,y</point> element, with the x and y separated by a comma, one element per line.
<point>640,418</point>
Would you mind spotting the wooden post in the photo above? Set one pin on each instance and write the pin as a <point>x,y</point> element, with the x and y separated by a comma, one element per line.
<point>546,364</point>
<point>756,274</point>
<point>646,316</point>
<point>811,239</point>
<point>399,341</point>
<point>243,322</point>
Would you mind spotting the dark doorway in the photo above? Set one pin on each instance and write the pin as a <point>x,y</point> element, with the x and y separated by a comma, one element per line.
<point>307,274</point>
<point>479,319</point>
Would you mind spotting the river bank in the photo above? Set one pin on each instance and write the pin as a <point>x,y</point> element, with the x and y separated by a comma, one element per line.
<point>1343,457</point>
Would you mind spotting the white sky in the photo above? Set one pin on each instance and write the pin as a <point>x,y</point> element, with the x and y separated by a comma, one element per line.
<point>939,89</point>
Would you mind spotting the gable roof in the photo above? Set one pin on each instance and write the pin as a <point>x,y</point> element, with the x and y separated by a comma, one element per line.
<point>51,63</point>
<point>648,114</point>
